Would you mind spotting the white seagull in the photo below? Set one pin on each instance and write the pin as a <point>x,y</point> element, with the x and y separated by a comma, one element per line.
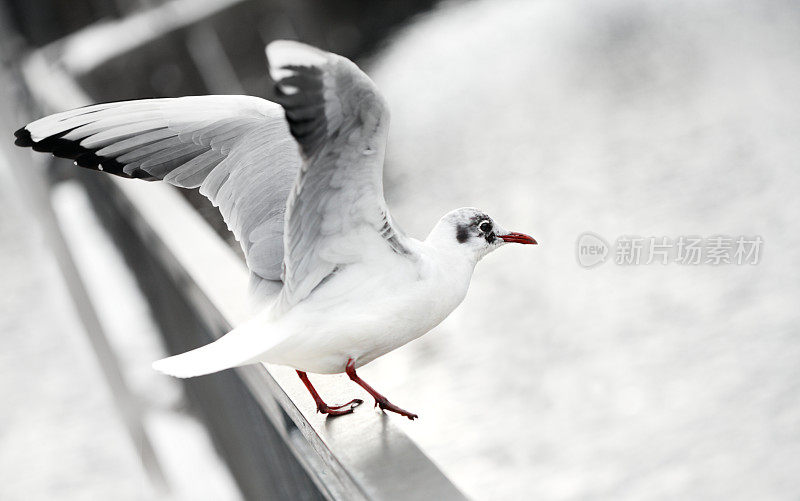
<point>348,285</point>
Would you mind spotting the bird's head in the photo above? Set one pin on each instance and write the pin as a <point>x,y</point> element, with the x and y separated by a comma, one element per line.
<point>474,231</point>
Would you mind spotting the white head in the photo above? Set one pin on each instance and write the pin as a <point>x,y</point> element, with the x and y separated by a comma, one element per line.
<point>472,230</point>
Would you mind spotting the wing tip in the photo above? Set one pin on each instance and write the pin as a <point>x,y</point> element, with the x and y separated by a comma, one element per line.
<point>72,150</point>
<point>282,53</point>
<point>22,137</point>
<point>275,47</point>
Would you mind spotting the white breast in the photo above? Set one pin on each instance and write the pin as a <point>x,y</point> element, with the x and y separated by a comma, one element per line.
<point>366,310</point>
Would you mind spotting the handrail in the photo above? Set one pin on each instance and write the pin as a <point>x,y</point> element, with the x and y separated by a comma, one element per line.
<point>360,456</point>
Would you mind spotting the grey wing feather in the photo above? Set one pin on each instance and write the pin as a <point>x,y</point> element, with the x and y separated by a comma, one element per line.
<point>340,122</point>
<point>236,149</point>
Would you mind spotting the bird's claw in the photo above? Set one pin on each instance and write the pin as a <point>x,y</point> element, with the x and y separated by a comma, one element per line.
<point>340,410</point>
<point>385,405</point>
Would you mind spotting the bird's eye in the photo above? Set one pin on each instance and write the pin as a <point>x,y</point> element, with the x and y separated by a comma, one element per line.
<point>485,227</point>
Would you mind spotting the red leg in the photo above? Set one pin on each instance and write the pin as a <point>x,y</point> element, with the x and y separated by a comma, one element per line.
<point>338,410</point>
<point>380,400</point>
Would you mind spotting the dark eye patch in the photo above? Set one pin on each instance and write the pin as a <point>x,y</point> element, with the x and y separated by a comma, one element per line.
<point>462,234</point>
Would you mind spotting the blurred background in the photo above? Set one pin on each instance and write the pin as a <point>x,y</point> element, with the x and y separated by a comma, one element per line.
<point>551,381</point>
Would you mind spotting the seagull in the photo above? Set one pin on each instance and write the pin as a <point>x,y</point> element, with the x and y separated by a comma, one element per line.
<point>299,182</point>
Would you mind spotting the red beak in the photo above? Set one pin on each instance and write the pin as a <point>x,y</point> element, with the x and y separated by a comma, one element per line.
<point>518,238</point>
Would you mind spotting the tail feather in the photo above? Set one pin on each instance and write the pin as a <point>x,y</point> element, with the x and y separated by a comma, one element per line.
<point>239,347</point>
<point>198,362</point>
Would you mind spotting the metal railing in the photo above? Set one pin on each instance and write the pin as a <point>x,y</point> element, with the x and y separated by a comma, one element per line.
<point>262,421</point>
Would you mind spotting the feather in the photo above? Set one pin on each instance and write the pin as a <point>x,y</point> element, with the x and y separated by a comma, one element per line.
<point>189,142</point>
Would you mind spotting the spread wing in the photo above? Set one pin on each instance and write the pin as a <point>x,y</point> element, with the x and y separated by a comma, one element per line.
<point>236,149</point>
<point>336,214</point>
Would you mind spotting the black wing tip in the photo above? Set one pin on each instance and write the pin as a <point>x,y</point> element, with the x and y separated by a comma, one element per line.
<point>83,157</point>
<point>23,138</point>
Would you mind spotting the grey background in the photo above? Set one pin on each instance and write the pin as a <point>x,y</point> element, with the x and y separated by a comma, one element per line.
<point>638,118</point>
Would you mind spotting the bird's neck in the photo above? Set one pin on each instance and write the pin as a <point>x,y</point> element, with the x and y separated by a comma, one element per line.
<point>447,271</point>
<point>450,255</point>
